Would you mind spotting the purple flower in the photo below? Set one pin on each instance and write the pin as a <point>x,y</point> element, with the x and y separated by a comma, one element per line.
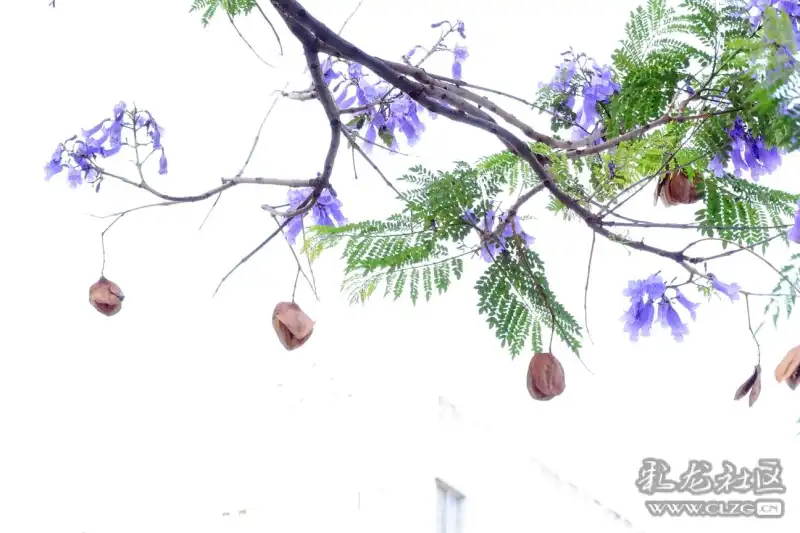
<point>366,92</point>
<point>328,74</point>
<point>326,212</point>
<point>730,290</point>
<point>639,318</point>
<point>354,71</point>
<point>794,232</point>
<point>690,306</point>
<point>669,318</point>
<point>460,55</point>
<point>74,177</point>
<point>563,77</point>
<point>154,131</point>
<point>403,115</point>
<point>497,245</point>
<point>162,163</point>
<point>55,166</point>
<point>716,166</point>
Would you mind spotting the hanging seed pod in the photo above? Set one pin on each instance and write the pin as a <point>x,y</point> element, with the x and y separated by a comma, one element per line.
<point>545,378</point>
<point>752,385</point>
<point>106,296</point>
<point>789,368</point>
<point>292,325</point>
<point>676,187</point>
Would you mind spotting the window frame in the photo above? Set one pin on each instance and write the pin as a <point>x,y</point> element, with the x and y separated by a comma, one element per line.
<point>449,508</point>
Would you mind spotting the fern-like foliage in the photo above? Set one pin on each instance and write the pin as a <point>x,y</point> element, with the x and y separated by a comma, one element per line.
<point>785,291</point>
<point>741,211</point>
<point>415,251</point>
<point>420,251</point>
<point>209,8</point>
<point>650,62</point>
<point>514,295</point>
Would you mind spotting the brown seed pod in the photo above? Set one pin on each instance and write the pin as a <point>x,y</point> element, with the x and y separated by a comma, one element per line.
<point>752,385</point>
<point>789,368</point>
<point>676,187</point>
<point>292,325</point>
<point>106,296</point>
<point>545,378</point>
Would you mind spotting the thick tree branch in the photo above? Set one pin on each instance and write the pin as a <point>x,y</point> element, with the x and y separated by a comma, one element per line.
<point>297,17</point>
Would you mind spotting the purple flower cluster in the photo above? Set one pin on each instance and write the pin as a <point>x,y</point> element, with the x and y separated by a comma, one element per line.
<point>649,301</point>
<point>586,84</point>
<point>756,8</point>
<point>783,61</point>
<point>382,113</point>
<point>747,153</point>
<point>492,248</point>
<point>326,212</point>
<point>102,140</point>
<point>643,295</point>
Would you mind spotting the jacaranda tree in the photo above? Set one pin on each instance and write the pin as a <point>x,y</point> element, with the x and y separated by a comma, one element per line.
<point>696,105</point>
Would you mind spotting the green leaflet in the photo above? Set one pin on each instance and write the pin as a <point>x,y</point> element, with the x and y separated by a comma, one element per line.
<point>517,302</point>
<point>209,8</point>
<point>741,211</point>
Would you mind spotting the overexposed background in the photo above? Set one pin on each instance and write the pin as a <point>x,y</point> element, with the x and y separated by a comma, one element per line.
<point>183,406</point>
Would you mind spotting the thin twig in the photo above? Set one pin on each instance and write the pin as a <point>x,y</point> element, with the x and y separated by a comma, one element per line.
<point>247,160</point>
<point>750,326</point>
<point>246,258</point>
<point>357,148</point>
<point>103,242</point>
<point>297,260</point>
<point>586,289</point>
<point>272,27</point>
<point>310,268</point>
<point>350,16</point>
<point>296,279</point>
<point>235,27</point>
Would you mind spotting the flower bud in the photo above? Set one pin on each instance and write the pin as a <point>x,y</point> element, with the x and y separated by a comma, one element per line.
<point>106,296</point>
<point>545,377</point>
<point>292,325</point>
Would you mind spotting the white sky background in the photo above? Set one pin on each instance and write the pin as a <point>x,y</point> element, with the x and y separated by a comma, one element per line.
<point>183,406</point>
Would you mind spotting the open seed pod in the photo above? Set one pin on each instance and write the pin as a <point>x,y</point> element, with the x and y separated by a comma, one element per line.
<point>545,377</point>
<point>789,368</point>
<point>292,325</point>
<point>106,296</point>
<point>676,187</point>
<point>752,385</point>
